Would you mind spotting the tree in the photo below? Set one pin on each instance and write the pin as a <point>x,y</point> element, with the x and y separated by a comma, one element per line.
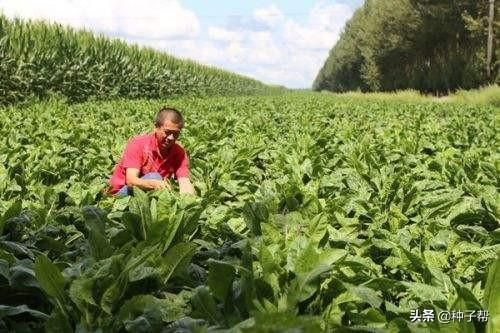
<point>430,45</point>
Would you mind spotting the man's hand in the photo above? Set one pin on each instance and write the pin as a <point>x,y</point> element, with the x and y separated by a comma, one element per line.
<point>154,184</point>
<point>185,186</point>
<point>132,179</point>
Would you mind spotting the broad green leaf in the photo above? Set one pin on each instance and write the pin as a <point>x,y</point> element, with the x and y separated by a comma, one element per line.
<point>310,264</point>
<point>18,249</point>
<point>135,260</point>
<point>463,326</point>
<point>492,297</point>
<point>424,292</point>
<point>247,276</point>
<point>48,243</point>
<point>311,259</point>
<point>4,269</point>
<point>81,291</point>
<point>134,225</point>
<point>439,279</point>
<point>376,316</point>
<point>466,296</point>
<point>58,322</point>
<point>317,228</point>
<point>147,323</point>
<point>205,306</point>
<point>141,273</point>
<point>113,294</point>
<point>367,295</point>
<point>139,205</point>
<point>99,245</point>
<point>14,210</point>
<point>220,278</point>
<point>22,277</point>
<point>6,310</point>
<point>382,284</point>
<point>169,309</point>
<point>95,218</point>
<point>176,259</point>
<point>267,260</point>
<point>169,220</point>
<point>283,322</point>
<point>255,213</point>
<point>51,280</point>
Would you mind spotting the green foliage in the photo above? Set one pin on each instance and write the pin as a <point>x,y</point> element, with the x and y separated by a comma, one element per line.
<point>430,46</point>
<point>314,213</point>
<point>39,60</point>
<point>51,280</point>
<point>492,296</point>
<point>486,96</point>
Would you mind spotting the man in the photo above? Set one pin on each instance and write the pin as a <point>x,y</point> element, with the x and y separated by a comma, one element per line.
<point>151,158</point>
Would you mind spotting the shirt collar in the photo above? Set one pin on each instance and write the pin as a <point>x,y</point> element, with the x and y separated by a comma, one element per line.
<point>154,143</point>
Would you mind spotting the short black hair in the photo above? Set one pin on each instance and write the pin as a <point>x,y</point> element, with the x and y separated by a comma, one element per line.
<point>169,113</point>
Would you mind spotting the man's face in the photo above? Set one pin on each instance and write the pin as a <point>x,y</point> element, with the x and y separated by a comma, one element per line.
<point>167,134</point>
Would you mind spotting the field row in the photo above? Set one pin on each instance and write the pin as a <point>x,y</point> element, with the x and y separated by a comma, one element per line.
<point>313,213</point>
<point>38,59</point>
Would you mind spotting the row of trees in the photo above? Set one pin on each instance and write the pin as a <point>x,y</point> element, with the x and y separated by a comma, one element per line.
<point>428,45</point>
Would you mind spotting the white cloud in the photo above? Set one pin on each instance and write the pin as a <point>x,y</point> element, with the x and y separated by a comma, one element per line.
<point>198,50</point>
<point>235,52</point>
<point>263,49</point>
<point>288,52</point>
<point>325,23</point>
<point>151,19</point>
<point>297,70</point>
<point>307,37</point>
<point>223,35</point>
<point>329,16</point>
<point>270,15</point>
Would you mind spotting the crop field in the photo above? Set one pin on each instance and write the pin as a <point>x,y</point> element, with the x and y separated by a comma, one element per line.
<point>39,59</point>
<point>313,213</point>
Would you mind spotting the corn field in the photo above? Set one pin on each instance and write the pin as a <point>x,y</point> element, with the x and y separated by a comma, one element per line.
<point>38,59</point>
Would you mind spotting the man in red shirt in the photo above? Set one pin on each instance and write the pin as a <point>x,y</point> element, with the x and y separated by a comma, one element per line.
<point>151,158</point>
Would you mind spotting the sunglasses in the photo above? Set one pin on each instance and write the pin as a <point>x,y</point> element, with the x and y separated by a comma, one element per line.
<point>175,134</point>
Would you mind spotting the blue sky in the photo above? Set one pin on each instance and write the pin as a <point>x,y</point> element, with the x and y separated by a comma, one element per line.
<point>277,42</point>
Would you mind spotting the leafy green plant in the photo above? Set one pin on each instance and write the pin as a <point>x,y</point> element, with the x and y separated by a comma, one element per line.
<point>313,213</point>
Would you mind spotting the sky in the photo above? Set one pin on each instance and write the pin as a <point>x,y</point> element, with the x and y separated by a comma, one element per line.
<point>276,42</point>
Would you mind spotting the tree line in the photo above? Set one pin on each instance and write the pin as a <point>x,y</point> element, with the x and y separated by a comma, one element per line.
<point>429,45</point>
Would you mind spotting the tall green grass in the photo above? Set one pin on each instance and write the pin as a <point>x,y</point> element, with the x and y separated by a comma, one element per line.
<point>38,59</point>
<point>489,96</point>
<point>408,95</point>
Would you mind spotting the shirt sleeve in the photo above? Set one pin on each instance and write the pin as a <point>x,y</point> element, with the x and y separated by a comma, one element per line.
<point>132,156</point>
<point>183,169</point>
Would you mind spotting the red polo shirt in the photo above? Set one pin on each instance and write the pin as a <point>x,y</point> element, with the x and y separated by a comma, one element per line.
<point>142,153</point>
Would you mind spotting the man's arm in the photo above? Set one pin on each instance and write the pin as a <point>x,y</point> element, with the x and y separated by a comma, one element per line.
<point>185,186</point>
<point>132,179</point>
